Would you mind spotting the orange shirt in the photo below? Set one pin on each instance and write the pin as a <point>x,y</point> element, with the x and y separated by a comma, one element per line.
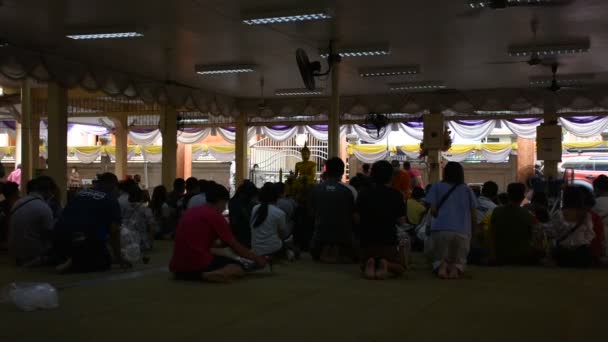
<point>402,183</point>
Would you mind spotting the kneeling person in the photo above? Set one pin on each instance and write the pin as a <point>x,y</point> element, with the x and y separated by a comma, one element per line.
<point>195,235</point>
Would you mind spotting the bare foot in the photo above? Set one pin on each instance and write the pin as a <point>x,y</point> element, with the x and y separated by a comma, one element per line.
<point>442,272</point>
<point>453,272</point>
<point>382,271</point>
<point>217,277</point>
<point>370,269</point>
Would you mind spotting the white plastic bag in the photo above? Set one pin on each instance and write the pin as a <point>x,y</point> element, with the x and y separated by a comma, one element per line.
<point>31,296</point>
<point>129,245</point>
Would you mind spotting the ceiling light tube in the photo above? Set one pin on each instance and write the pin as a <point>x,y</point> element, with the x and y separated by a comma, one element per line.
<point>281,17</point>
<point>223,69</point>
<point>390,71</point>
<point>538,81</point>
<point>298,92</point>
<point>359,52</point>
<point>104,33</point>
<point>416,86</point>
<point>548,50</point>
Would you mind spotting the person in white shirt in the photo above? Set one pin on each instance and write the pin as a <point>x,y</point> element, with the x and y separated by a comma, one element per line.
<point>572,230</point>
<point>600,186</point>
<point>268,223</point>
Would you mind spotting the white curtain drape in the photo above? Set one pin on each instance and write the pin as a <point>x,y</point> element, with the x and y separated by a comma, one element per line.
<point>496,157</point>
<point>231,136</point>
<point>455,157</point>
<point>364,135</point>
<point>221,156</point>
<point>371,158</point>
<point>192,137</point>
<point>130,154</point>
<point>586,129</point>
<point>144,138</point>
<point>280,135</point>
<point>87,158</point>
<point>526,131</point>
<point>414,132</point>
<point>475,132</point>
<point>410,154</point>
<point>151,157</point>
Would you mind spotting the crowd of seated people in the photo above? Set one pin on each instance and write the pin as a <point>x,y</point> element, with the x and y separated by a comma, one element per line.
<point>360,223</point>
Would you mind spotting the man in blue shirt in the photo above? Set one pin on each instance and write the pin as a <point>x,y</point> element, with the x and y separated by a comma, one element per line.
<point>88,222</point>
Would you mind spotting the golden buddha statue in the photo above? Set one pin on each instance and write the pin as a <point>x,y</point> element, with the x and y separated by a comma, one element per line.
<point>306,169</point>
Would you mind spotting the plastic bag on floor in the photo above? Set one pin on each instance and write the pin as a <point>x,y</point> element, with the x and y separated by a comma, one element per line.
<point>129,245</point>
<point>31,296</point>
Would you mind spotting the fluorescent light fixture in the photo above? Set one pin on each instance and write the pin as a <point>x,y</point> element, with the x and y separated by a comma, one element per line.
<point>359,52</point>
<point>549,50</point>
<point>509,3</point>
<point>104,33</point>
<point>280,17</point>
<point>1,91</point>
<point>298,92</point>
<point>542,81</point>
<point>416,86</point>
<point>223,69</point>
<point>390,71</point>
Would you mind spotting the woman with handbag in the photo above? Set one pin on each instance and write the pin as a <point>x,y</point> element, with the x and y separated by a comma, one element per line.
<point>453,206</point>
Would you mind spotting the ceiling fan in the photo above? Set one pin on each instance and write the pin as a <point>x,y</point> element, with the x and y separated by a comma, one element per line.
<point>311,70</point>
<point>376,124</point>
<point>480,6</point>
<point>535,58</point>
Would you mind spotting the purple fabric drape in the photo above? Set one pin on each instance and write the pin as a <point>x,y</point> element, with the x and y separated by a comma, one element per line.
<point>523,121</point>
<point>582,119</point>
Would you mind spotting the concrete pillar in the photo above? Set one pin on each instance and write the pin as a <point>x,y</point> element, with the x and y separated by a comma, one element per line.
<point>549,139</point>
<point>241,145</point>
<point>434,127</point>
<point>28,158</point>
<point>121,134</point>
<point>58,137</point>
<point>169,133</point>
<point>526,156</point>
<point>333,132</point>
<point>187,161</point>
<point>179,172</point>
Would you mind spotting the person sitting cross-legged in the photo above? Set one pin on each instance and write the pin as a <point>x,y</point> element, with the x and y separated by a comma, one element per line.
<point>88,223</point>
<point>380,209</point>
<point>195,236</point>
<point>268,224</point>
<point>512,231</point>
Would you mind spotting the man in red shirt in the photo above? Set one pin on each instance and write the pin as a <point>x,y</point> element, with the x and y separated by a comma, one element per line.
<point>401,180</point>
<point>195,235</point>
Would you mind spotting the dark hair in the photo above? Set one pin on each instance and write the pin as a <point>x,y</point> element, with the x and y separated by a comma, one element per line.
<point>159,197</point>
<point>10,189</point>
<point>217,192</point>
<point>204,184</point>
<point>334,167</point>
<point>407,165</point>
<point>601,183</point>
<point>280,188</point>
<point>247,190</point>
<point>503,198</point>
<point>30,186</point>
<point>489,189</point>
<point>179,185</point>
<point>192,184</point>
<point>418,193</point>
<point>365,168</point>
<point>135,193</point>
<point>588,199</point>
<point>382,172</point>
<point>106,182</point>
<point>573,198</point>
<point>268,195</point>
<point>539,198</point>
<point>516,193</point>
<point>126,185</point>
<point>453,173</point>
<point>395,163</point>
